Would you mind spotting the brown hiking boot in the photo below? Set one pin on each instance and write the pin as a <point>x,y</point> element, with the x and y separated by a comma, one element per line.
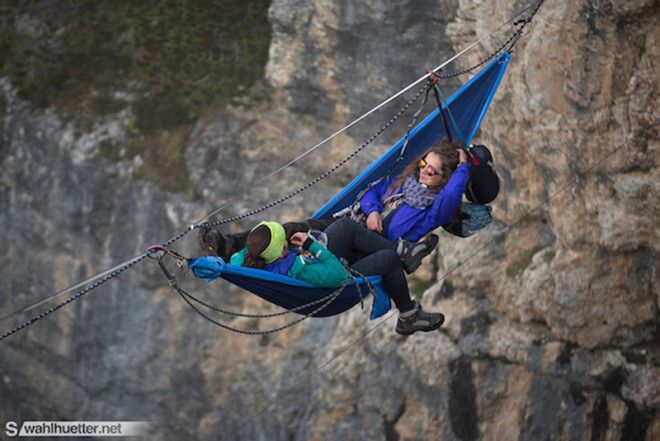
<point>214,243</point>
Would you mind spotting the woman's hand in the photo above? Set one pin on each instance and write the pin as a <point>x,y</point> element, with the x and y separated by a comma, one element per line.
<point>462,158</point>
<point>375,222</point>
<point>297,239</point>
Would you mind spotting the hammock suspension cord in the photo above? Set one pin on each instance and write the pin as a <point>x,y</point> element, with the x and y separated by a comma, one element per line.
<point>181,291</point>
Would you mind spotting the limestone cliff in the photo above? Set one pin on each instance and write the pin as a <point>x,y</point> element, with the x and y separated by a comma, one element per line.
<point>552,312</point>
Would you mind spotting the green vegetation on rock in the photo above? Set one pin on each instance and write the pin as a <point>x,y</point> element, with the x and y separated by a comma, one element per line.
<point>164,163</point>
<point>418,285</point>
<point>518,265</point>
<point>168,61</point>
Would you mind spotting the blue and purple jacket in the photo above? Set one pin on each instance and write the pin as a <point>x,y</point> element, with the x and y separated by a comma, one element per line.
<point>414,223</point>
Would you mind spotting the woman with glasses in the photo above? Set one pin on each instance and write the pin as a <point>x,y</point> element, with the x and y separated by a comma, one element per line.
<point>425,196</point>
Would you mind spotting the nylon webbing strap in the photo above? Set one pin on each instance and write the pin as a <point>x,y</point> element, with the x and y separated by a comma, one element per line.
<point>413,122</point>
<point>438,101</point>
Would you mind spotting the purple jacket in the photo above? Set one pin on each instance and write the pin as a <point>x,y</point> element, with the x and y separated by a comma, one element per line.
<point>414,223</point>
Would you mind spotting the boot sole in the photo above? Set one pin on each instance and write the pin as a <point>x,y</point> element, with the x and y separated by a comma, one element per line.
<point>401,332</point>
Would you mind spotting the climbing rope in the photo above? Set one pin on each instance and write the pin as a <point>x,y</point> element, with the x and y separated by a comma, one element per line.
<point>321,176</point>
<point>90,288</point>
<point>510,42</point>
<point>261,316</point>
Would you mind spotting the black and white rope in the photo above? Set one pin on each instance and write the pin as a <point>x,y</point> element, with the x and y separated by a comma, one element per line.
<point>323,175</point>
<point>90,288</point>
<point>510,42</point>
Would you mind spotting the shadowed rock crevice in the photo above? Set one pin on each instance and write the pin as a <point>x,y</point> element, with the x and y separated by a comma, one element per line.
<point>391,433</point>
<point>636,423</point>
<point>462,406</point>
<point>600,420</point>
<point>613,381</point>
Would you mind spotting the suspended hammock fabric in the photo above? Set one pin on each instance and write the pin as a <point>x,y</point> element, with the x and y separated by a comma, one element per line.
<point>288,292</point>
<point>467,107</point>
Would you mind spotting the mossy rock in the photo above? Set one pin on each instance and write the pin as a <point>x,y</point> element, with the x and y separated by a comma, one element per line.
<point>520,264</point>
<point>175,58</point>
<point>417,285</point>
<point>167,62</point>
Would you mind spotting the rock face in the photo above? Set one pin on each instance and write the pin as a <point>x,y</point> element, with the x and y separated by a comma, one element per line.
<point>552,312</point>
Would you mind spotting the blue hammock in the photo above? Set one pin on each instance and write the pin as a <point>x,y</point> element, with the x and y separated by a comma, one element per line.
<point>291,293</point>
<point>466,109</point>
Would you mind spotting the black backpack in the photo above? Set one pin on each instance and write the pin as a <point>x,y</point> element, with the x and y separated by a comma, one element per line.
<point>482,188</point>
<point>484,184</point>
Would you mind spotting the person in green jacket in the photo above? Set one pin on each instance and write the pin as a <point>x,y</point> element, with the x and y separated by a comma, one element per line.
<point>266,248</point>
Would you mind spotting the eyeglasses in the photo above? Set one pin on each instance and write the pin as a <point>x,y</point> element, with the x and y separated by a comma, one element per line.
<point>429,169</point>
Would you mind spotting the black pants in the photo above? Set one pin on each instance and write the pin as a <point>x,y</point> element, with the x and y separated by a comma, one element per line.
<point>377,257</point>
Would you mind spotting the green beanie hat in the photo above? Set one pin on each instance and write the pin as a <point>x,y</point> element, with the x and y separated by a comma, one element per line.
<point>277,236</point>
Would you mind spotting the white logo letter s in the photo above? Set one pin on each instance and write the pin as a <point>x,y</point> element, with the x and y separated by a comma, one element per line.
<point>11,428</point>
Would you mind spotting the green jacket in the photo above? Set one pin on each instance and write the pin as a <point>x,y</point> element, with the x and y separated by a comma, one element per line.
<point>325,272</point>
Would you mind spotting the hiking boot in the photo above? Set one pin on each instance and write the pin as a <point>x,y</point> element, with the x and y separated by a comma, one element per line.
<point>207,241</point>
<point>412,253</point>
<point>214,243</point>
<point>419,320</point>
